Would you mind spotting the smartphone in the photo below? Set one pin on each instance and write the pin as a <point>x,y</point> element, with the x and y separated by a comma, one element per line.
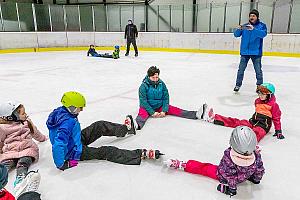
<point>245,26</point>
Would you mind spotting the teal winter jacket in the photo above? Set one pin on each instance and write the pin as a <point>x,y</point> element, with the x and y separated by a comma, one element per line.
<point>153,95</point>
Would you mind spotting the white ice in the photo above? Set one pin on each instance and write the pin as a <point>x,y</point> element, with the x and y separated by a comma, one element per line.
<point>110,86</point>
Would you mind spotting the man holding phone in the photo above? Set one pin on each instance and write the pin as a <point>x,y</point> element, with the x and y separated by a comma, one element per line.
<point>252,34</point>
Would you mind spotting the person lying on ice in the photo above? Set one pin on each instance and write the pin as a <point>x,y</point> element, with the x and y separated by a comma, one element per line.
<point>114,55</point>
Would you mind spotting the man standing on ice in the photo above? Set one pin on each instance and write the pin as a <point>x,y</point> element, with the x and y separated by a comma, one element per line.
<point>131,34</point>
<point>252,34</point>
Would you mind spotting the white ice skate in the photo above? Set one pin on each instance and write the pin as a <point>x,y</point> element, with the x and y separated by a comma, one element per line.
<point>206,113</point>
<point>175,164</point>
<point>129,122</point>
<point>29,184</point>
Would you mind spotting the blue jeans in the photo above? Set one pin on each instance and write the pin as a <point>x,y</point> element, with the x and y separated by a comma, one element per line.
<point>256,60</point>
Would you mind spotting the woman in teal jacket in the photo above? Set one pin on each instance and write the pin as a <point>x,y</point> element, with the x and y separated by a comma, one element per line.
<point>154,100</point>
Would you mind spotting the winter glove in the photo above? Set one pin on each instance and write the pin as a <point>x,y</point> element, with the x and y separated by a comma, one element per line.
<point>251,179</point>
<point>226,190</point>
<point>69,164</point>
<point>278,134</point>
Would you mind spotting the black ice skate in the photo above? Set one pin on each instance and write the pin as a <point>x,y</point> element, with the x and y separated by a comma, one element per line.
<point>236,88</point>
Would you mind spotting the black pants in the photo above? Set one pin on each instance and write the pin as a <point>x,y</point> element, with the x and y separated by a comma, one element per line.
<point>110,153</point>
<point>133,42</point>
<point>30,196</point>
<point>105,55</point>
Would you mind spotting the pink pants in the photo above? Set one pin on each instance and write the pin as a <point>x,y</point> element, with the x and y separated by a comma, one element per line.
<point>233,122</point>
<point>205,169</point>
<point>144,115</point>
<point>172,111</point>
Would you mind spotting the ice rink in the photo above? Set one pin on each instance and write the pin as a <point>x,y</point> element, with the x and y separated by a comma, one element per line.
<point>110,86</point>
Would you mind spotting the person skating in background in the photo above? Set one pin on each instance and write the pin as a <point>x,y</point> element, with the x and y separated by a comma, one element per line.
<point>266,111</point>
<point>252,34</point>
<point>70,143</point>
<point>114,55</point>
<point>131,33</point>
<point>240,162</point>
<point>17,148</point>
<point>29,186</point>
<point>154,100</point>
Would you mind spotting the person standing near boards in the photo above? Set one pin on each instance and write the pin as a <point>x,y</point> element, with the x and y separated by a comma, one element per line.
<point>131,34</point>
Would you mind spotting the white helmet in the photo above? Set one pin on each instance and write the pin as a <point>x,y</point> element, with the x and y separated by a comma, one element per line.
<point>7,109</point>
<point>243,140</point>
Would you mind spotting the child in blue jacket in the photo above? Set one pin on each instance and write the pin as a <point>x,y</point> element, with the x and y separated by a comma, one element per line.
<point>70,143</point>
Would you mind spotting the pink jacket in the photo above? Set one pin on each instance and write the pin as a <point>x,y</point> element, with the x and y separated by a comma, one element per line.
<point>16,141</point>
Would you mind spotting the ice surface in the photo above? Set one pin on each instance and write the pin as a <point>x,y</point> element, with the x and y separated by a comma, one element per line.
<point>110,86</point>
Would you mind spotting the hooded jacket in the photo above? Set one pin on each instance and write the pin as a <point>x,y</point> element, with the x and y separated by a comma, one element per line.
<point>65,136</point>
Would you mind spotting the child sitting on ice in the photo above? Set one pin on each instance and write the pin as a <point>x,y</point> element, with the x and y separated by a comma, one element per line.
<point>70,144</point>
<point>17,148</point>
<point>240,163</point>
<point>266,112</point>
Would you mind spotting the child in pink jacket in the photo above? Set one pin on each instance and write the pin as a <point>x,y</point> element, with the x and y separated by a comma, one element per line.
<point>17,149</point>
<point>240,162</point>
<point>266,112</point>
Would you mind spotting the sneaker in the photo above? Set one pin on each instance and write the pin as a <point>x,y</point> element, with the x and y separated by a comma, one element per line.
<point>151,154</point>
<point>127,54</point>
<point>19,179</point>
<point>175,164</point>
<point>130,125</point>
<point>236,88</point>
<point>208,113</point>
<point>29,184</point>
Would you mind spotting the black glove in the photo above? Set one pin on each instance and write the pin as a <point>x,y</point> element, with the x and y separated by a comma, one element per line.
<point>226,190</point>
<point>251,179</point>
<point>278,134</point>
